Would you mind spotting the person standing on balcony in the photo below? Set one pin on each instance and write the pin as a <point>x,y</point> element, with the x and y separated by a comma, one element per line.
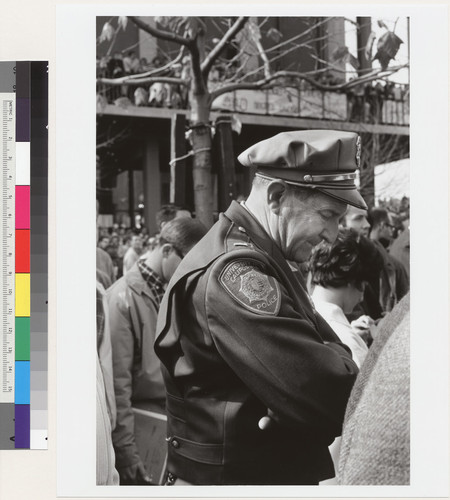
<point>115,70</point>
<point>130,63</point>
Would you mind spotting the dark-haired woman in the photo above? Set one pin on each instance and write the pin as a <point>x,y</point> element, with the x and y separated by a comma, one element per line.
<point>338,273</point>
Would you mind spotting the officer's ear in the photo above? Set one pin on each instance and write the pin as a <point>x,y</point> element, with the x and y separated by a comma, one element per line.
<point>276,190</point>
<point>166,249</point>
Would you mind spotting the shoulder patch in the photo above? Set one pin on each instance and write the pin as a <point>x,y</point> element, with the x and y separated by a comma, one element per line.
<point>251,288</point>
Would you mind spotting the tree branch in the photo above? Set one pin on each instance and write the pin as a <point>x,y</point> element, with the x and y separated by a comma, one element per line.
<point>279,56</point>
<point>119,136</point>
<point>134,82</point>
<point>156,71</point>
<point>369,77</point>
<point>329,65</point>
<point>271,82</point>
<point>244,58</point>
<point>198,85</point>
<point>163,35</point>
<point>113,140</point>
<point>265,83</point>
<point>220,47</point>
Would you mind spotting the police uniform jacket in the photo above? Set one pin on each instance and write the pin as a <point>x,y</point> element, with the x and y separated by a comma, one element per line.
<point>237,335</point>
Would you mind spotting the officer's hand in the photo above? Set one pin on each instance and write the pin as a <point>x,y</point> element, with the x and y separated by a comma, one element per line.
<point>134,474</point>
<point>267,421</point>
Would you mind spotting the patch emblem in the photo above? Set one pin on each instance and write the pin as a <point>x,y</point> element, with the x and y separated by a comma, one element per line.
<point>255,286</point>
<point>358,151</point>
<point>251,288</point>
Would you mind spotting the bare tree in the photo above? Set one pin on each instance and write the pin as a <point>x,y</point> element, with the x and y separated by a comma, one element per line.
<point>252,66</point>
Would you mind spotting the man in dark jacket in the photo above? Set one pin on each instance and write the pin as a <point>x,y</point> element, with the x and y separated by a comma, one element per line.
<point>238,336</point>
<point>397,283</point>
<point>389,281</point>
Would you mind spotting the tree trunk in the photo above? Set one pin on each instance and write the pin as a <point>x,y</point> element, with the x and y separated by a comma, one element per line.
<point>131,196</point>
<point>201,172</point>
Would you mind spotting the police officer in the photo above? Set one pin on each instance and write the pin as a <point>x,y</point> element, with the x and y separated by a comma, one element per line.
<point>238,336</point>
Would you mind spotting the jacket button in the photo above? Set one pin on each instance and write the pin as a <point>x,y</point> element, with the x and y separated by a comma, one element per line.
<point>175,443</point>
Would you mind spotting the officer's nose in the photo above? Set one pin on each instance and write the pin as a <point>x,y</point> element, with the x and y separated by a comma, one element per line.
<point>330,232</point>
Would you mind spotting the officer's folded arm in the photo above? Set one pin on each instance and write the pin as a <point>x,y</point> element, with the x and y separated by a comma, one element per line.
<point>282,358</point>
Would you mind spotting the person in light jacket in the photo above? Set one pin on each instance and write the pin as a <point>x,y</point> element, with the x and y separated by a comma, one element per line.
<point>133,308</point>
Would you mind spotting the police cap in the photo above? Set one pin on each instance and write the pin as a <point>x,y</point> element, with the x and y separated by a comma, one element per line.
<point>325,160</point>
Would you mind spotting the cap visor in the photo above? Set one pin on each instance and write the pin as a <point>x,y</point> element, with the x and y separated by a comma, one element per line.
<point>350,196</point>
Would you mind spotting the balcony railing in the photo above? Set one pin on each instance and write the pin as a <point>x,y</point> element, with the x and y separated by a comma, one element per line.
<point>372,104</point>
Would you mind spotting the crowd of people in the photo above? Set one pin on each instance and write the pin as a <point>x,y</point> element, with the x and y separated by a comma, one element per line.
<point>126,245</point>
<point>275,344</point>
<point>121,65</point>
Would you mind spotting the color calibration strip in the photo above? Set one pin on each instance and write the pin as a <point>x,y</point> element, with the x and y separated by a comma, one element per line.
<point>23,407</point>
<point>22,252</point>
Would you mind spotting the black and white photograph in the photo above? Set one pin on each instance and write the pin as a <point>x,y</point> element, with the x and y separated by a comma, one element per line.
<point>252,182</point>
<point>225,250</point>
<point>251,189</point>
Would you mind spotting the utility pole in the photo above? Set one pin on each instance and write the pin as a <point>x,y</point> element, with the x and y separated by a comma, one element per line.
<point>364,29</point>
<point>224,144</point>
<point>178,163</point>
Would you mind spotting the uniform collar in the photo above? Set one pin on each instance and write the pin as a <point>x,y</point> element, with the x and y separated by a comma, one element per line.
<point>242,217</point>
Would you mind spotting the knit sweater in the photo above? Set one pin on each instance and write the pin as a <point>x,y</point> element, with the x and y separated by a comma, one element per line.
<point>376,434</point>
